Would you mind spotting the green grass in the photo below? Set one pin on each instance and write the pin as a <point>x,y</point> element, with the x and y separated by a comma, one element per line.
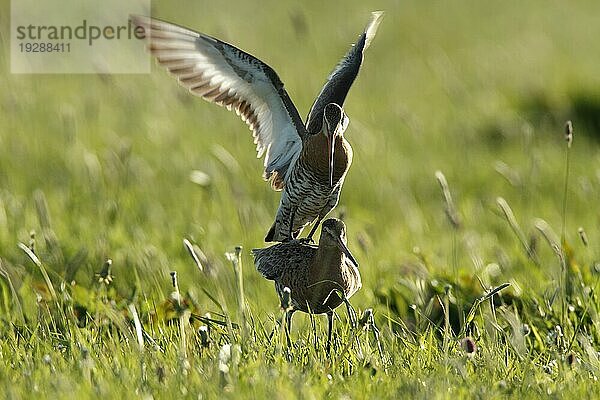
<point>98,167</point>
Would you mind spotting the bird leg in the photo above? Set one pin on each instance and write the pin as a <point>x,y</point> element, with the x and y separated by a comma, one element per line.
<point>322,214</point>
<point>329,331</point>
<point>288,326</point>
<point>309,238</point>
<point>351,313</point>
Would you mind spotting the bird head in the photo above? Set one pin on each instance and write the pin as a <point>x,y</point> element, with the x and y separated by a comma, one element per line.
<point>335,123</point>
<point>333,232</point>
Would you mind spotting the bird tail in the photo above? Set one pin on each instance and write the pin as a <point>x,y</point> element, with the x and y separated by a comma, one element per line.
<point>271,233</point>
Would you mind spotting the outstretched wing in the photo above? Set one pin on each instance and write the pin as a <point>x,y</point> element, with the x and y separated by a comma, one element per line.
<point>229,77</point>
<point>340,80</point>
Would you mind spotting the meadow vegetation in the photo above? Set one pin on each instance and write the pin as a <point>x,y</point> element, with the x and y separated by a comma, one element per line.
<point>476,226</point>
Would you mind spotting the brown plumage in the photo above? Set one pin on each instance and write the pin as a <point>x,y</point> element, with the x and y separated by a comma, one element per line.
<point>225,75</point>
<point>315,154</point>
<point>316,180</point>
<point>316,275</point>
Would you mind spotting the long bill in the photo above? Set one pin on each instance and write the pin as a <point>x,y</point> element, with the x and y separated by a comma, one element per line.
<point>346,251</point>
<point>330,150</point>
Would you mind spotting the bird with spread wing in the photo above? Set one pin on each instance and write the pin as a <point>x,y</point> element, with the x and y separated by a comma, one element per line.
<point>307,161</point>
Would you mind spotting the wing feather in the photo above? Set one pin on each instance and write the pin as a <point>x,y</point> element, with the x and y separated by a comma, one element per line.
<point>225,75</point>
<point>272,262</point>
<point>341,78</point>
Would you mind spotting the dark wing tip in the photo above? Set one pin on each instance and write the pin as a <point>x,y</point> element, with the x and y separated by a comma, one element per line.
<point>342,77</point>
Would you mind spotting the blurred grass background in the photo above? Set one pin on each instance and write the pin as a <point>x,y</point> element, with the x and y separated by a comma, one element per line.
<point>478,90</point>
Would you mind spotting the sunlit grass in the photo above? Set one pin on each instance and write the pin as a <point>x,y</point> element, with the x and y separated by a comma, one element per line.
<point>94,168</point>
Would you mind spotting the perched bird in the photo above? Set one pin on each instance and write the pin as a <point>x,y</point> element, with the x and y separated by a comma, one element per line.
<point>307,161</point>
<point>316,275</point>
